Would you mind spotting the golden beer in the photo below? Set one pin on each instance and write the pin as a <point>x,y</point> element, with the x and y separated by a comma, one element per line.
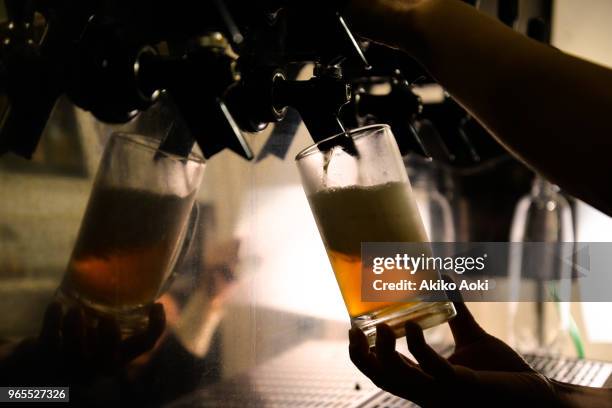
<point>136,227</point>
<point>348,216</point>
<point>126,246</point>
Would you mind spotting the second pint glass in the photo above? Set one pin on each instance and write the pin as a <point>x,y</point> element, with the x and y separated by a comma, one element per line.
<point>359,192</point>
<point>134,228</point>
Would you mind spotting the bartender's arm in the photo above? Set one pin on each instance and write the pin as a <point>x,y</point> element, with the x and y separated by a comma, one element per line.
<point>551,110</point>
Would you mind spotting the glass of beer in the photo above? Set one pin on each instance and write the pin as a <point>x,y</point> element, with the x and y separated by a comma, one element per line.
<point>358,191</point>
<point>135,227</point>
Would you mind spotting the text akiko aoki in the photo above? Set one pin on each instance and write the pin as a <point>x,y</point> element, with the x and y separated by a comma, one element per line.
<point>430,284</point>
<point>441,284</point>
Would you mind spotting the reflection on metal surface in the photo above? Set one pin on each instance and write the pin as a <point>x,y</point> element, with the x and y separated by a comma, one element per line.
<point>316,373</point>
<point>319,374</point>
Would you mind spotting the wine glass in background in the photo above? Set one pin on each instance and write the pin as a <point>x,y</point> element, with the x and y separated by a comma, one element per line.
<point>544,216</point>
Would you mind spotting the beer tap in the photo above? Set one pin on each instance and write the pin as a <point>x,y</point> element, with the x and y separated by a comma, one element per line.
<point>398,108</point>
<point>196,81</point>
<point>318,100</point>
<point>439,130</point>
<point>228,66</point>
<point>265,91</point>
<point>223,63</point>
<point>104,56</point>
<point>27,92</point>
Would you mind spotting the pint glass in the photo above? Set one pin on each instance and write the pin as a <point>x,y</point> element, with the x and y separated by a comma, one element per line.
<point>133,230</point>
<point>359,192</point>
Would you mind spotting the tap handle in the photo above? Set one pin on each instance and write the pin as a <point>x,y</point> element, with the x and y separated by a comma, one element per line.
<point>210,124</point>
<point>350,46</point>
<point>538,29</point>
<point>508,11</point>
<point>398,108</point>
<point>321,35</point>
<point>197,82</point>
<point>318,100</point>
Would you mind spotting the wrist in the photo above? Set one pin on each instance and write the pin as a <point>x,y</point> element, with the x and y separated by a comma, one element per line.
<point>561,392</point>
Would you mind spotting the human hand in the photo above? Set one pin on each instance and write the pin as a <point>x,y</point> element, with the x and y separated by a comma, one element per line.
<point>219,272</point>
<point>483,370</point>
<point>69,350</point>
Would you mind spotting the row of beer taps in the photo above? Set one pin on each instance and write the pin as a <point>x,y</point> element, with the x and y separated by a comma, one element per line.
<point>229,66</point>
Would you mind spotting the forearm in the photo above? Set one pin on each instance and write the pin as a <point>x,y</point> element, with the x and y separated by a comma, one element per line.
<point>576,396</point>
<point>548,108</point>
